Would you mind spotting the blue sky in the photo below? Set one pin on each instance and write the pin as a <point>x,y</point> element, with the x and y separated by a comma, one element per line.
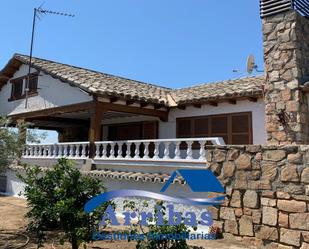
<point>173,43</point>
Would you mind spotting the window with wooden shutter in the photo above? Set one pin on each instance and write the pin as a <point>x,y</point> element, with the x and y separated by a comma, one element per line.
<point>150,130</point>
<point>241,128</point>
<point>233,128</point>
<point>17,88</point>
<point>33,83</point>
<point>184,127</point>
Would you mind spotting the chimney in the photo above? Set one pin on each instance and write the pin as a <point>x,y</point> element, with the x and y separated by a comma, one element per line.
<point>286,58</point>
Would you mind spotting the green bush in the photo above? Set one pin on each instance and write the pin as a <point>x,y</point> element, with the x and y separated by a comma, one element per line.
<point>56,198</point>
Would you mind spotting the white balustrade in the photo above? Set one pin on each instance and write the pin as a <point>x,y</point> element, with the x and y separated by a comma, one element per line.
<point>182,149</point>
<point>190,149</point>
<point>58,150</point>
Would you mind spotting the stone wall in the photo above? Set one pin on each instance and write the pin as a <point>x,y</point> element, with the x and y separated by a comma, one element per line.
<point>267,194</point>
<point>286,55</point>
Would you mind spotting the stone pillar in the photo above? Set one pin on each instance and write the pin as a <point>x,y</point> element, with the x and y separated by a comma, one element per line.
<point>286,55</point>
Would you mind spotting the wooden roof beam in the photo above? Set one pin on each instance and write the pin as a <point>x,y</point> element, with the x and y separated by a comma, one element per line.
<point>213,103</point>
<point>233,101</point>
<point>252,99</point>
<point>197,105</point>
<point>162,114</point>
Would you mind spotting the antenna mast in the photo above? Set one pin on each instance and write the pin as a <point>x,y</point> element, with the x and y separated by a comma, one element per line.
<point>36,14</point>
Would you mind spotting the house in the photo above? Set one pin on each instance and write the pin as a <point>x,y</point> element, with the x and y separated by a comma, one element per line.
<point>125,125</point>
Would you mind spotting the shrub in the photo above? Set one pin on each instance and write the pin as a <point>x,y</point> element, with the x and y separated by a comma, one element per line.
<point>56,198</point>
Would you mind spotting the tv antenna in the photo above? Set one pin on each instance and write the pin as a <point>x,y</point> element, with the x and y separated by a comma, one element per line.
<point>38,13</point>
<point>251,66</point>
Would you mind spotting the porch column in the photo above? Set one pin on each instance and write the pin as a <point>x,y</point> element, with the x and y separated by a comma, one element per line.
<point>95,130</point>
<point>22,134</point>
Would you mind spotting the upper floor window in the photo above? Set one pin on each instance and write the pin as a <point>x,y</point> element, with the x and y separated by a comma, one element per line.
<point>19,86</point>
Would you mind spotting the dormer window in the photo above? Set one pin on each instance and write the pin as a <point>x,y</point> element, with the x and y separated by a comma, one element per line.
<point>19,87</point>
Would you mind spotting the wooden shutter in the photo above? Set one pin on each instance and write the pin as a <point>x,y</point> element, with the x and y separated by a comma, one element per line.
<point>201,127</point>
<point>233,128</point>
<point>150,130</point>
<point>241,128</point>
<point>33,83</point>
<point>17,88</point>
<point>184,128</point>
<point>219,127</point>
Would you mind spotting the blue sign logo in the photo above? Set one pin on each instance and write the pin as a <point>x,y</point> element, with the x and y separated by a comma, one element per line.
<point>198,180</point>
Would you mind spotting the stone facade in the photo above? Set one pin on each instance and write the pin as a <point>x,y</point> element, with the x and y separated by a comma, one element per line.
<point>286,55</point>
<point>267,193</point>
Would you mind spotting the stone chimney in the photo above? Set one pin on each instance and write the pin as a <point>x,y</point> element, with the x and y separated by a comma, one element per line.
<point>286,56</point>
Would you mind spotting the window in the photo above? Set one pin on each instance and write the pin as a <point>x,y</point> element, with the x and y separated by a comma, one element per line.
<point>234,128</point>
<point>19,85</point>
<point>17,88</point>
<point>33,83</point>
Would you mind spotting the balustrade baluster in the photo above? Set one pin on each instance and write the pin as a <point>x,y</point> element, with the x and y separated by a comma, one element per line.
<point>97,150</point>
<point>146,150</point>
<point>177,150</point>
<point>84,150</point>
<point>128,150</point>
<point>120,145</point>
<point>202,150</point>
<point>189,150</point>
<point>137,150</point>
<point>104,151</point>
<point>166,150</point>
<point>112,153</point>
<point>156,150</point>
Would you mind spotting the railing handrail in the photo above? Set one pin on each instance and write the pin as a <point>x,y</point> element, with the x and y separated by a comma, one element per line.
<point>50,144</point>
<point>217,140</point>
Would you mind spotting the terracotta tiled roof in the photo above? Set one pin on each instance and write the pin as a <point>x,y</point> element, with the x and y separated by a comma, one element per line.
<point>133,176</point>
<point>100,83</point>
<point>243,87</point>
<point>120,175</point>
<point>108,85</point>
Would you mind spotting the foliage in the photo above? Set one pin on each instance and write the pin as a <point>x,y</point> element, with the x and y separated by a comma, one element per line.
<point>152,229</point>
<point>12,143</point>
<point>56,198</point>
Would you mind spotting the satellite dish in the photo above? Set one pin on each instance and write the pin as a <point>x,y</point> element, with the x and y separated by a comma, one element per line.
<point>251,64</point>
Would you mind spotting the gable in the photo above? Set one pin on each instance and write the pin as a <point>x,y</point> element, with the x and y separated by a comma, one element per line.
<point>51,93</point>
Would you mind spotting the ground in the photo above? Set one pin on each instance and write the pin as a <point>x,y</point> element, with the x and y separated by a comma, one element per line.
<point>13,234</point>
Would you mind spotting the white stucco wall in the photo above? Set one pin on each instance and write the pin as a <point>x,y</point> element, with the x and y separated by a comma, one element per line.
<point>168,129</point>
<point>52,93</point>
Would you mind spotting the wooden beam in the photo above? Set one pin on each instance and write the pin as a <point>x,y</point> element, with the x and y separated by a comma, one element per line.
<point>130,102</point>
<point>252,99</point>
<point>113,99</point>
<point>181,107</point>
<point>197,105</point>
<point>143,104</point>
<point>213,103</point>
<point>232,101</point>
<point>158,106</point>
<point>55,110</point>
<point>163,115</point>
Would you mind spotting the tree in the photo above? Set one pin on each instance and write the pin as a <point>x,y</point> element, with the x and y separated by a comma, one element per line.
<point>12,143</point>
<point>56,198</point>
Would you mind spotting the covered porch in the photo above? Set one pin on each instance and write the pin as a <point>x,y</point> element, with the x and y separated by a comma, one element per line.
<point>96,131</point>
